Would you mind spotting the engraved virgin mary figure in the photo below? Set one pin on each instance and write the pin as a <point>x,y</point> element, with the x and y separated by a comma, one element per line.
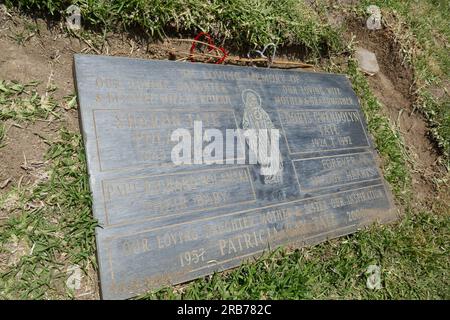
<point>255,117</point>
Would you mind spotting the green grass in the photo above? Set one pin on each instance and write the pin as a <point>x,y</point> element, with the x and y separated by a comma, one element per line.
<point>243,24</point>
<point>49,226</point>
<point>239,23</point>
<point>22,102</point>
<point>412,256</point>
<point>425,35</point>
<point>2,135</point>
<point>64,227</point>
<point>387,139</point>
<point>45,240</point>
<point>53,236</point>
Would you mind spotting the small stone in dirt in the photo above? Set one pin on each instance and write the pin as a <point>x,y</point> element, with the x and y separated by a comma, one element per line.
<point>367,61</point>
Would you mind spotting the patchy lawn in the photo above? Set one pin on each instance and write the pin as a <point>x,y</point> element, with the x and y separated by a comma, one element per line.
<point>46,224</point>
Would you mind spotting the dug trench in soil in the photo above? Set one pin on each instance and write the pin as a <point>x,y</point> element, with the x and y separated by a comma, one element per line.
<point>394,87</point>
<point>48,55</point>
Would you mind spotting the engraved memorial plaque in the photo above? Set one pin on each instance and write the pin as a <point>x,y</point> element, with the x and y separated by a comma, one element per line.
<point>163,221</point>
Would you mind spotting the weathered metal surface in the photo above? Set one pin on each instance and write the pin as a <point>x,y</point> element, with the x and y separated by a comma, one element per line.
<point>163,223</point>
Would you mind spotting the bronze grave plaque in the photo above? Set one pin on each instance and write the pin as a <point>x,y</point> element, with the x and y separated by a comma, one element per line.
<point>175,191</point>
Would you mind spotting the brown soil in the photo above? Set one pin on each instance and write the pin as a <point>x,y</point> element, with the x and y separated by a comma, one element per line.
<point>394,88</point>
<point>22,158</point>
<point>46,55</point>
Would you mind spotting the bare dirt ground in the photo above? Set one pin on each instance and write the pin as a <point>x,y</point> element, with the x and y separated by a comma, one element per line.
<point>46,56</point>
<point>45,53</point>
<point>394,87</point>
